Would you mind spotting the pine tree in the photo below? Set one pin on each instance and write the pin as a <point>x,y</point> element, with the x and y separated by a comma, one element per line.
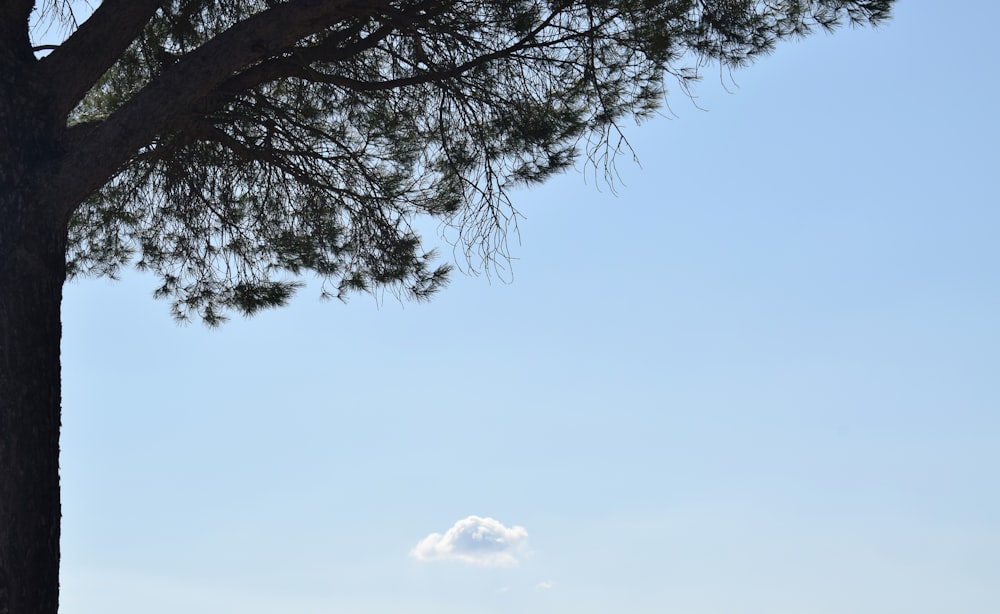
<point>231,146</point>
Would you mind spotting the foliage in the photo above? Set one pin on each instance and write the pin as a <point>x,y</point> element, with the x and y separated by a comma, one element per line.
<point>320,155</point>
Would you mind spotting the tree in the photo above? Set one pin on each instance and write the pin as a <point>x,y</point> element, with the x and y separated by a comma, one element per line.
<point>231,146</point>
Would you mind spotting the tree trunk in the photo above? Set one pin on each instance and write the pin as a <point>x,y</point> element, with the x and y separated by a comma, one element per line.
<point>32,271</point>
<point>31,278</point>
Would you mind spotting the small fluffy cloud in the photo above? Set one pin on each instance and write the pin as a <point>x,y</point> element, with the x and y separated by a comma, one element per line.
<point>475,540</point>
<point>544,586</point>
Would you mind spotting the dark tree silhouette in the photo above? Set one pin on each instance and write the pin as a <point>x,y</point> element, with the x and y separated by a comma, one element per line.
<point>229,146</point>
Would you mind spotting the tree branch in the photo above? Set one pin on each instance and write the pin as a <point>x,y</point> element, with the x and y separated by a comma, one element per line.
<point>297,65</point>
<point>277,69</point>
<point>14,29</point>
<point>74,66</point>
<point>107,146</point>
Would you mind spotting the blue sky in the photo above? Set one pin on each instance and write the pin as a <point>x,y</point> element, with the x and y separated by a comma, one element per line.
<point>761,379</point>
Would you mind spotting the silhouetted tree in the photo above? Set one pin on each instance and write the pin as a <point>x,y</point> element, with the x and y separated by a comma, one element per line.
<point>230,146</point>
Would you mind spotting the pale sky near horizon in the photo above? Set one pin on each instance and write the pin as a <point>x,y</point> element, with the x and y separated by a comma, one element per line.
<point>759,379</point>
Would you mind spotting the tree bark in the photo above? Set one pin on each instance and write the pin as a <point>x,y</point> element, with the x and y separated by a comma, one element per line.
<point>32,271</point>
<point>31,280</point>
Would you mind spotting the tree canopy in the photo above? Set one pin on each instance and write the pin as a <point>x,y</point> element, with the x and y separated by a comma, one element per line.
<point>243,143</point>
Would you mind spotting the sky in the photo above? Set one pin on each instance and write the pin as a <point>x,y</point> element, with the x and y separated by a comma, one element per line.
<point>757,377</point>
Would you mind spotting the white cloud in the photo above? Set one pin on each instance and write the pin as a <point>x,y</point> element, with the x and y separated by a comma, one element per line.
<point>544,586</point>
<point>475,540</point>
